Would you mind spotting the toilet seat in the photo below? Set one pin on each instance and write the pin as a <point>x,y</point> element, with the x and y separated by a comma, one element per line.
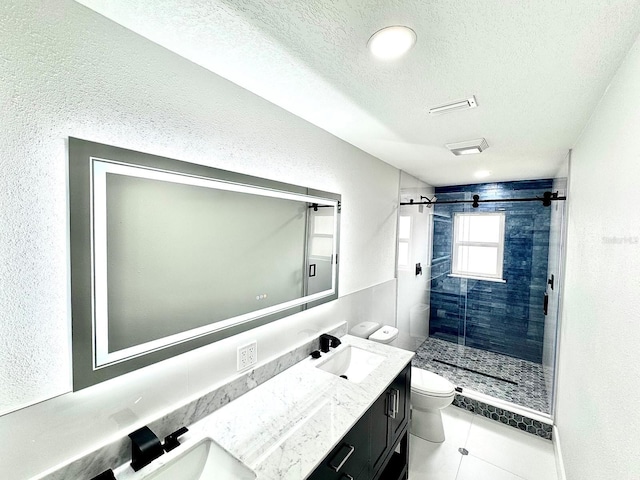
<point>429,383</point>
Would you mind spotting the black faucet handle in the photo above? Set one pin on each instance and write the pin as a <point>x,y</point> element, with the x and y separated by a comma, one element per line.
<point>145,448</point>
<point>335,342</point>
<point>171,440</point>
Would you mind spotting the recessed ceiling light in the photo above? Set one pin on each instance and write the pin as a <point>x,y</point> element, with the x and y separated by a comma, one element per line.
<point>482,174</point>
<point>468,147</point>
<point>392,42</point>
<point>454,106</point>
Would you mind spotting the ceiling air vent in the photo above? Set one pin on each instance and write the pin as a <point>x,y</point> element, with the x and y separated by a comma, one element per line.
<point>454,106</point>
<point>468,147</point>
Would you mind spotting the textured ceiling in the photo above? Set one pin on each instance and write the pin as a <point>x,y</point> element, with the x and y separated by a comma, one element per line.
<point>537,68</point>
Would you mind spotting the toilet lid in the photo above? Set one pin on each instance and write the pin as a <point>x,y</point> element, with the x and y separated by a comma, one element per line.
<point>385,335</point>
<point>430,383</point>
<point>364,329</point>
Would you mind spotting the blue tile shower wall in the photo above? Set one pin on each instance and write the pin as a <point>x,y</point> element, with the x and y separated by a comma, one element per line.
<point>506,317</point>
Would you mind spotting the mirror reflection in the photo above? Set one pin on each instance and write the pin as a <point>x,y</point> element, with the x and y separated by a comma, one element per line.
<point>177,256</point>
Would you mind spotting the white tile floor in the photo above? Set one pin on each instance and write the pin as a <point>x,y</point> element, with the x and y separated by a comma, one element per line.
<point>496,452</point>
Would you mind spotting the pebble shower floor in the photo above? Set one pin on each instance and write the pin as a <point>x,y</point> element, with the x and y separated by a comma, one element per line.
<point>501,376</point>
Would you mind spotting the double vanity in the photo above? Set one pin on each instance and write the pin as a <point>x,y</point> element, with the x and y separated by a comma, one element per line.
<point>306,422</point>
<point>143,291</point>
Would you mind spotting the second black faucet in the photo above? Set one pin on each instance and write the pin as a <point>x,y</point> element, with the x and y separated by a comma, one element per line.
<point>327,341</point>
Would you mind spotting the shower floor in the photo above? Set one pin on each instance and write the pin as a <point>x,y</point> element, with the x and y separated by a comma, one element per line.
<point>507,378</point>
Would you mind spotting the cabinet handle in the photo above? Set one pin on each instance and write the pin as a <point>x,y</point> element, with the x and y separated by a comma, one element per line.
<point>396,403</point>
<point>351,449</point>
<point>394,396</point>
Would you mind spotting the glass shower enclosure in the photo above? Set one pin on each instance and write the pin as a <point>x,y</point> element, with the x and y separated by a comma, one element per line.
<point>494,289</point>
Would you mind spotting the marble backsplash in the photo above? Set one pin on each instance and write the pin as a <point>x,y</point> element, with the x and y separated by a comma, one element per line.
<point>119,451</point>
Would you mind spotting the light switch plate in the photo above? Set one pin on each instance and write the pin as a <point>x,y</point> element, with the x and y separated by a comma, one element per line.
<point>247,355</point>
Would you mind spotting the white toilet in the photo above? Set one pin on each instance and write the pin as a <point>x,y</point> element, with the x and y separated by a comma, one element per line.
<point>430,393</point>
<point>374,332</point>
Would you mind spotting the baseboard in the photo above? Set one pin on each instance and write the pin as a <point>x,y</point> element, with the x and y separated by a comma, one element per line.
<point>558,454</point>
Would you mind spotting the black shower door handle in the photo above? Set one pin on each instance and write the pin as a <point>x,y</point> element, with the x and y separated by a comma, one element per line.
<point>546,304</point>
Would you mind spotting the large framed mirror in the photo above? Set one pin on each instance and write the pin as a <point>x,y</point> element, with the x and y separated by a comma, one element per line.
<point>168,256</point>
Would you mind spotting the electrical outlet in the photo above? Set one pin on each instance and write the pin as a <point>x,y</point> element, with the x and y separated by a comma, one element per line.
<point>247,355</point>
<point>252,353</point>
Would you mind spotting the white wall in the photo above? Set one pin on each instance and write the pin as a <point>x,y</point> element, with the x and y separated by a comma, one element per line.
<point>67,71</point>
<point>599,369</point>
<point>414,290</point>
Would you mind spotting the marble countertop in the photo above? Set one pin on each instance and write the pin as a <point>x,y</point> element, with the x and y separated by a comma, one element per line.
<point>283,428</point>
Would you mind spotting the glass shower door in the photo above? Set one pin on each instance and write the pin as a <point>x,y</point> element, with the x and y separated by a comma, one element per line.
<point>496,333</point>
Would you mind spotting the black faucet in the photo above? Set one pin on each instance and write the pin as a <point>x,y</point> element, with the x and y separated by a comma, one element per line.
<point>106,475</point>
<point>145,448</point>
<point>327,341</point>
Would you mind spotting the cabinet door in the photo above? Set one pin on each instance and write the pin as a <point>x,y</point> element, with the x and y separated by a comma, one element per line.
<point>401,403</point>
<point>349,458</point>
<point>380,433</point>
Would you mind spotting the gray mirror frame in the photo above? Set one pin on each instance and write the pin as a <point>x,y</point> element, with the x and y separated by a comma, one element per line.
<point>81,268</point>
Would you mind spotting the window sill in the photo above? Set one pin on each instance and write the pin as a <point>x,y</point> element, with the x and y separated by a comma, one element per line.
<point>469,277</point>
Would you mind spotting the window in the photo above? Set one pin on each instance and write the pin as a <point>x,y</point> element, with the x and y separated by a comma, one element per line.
<point>404,237</point>
<point>322,225</point>
<point>478,245</point>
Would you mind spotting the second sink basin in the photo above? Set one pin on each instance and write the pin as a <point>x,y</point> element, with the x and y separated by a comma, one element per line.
<point>205,459</point>
<point>351,363</point>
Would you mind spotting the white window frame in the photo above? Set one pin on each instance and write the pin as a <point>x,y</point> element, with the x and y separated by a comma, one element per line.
<point>461,243</point>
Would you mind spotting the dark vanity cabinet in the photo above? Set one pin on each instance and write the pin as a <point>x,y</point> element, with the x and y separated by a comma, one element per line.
<point>377,447</point>
<point>350,458</point>
<point>389,422</point>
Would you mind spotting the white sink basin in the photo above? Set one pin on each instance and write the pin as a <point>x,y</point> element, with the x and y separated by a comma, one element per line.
<point>204,459</point>
<point>351,362</point>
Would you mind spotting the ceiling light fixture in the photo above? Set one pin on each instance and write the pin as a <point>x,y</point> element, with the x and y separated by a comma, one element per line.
<point>392,42</point>
<point>468,147</point>
<point>482,174</point>
<point>454,106</point>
